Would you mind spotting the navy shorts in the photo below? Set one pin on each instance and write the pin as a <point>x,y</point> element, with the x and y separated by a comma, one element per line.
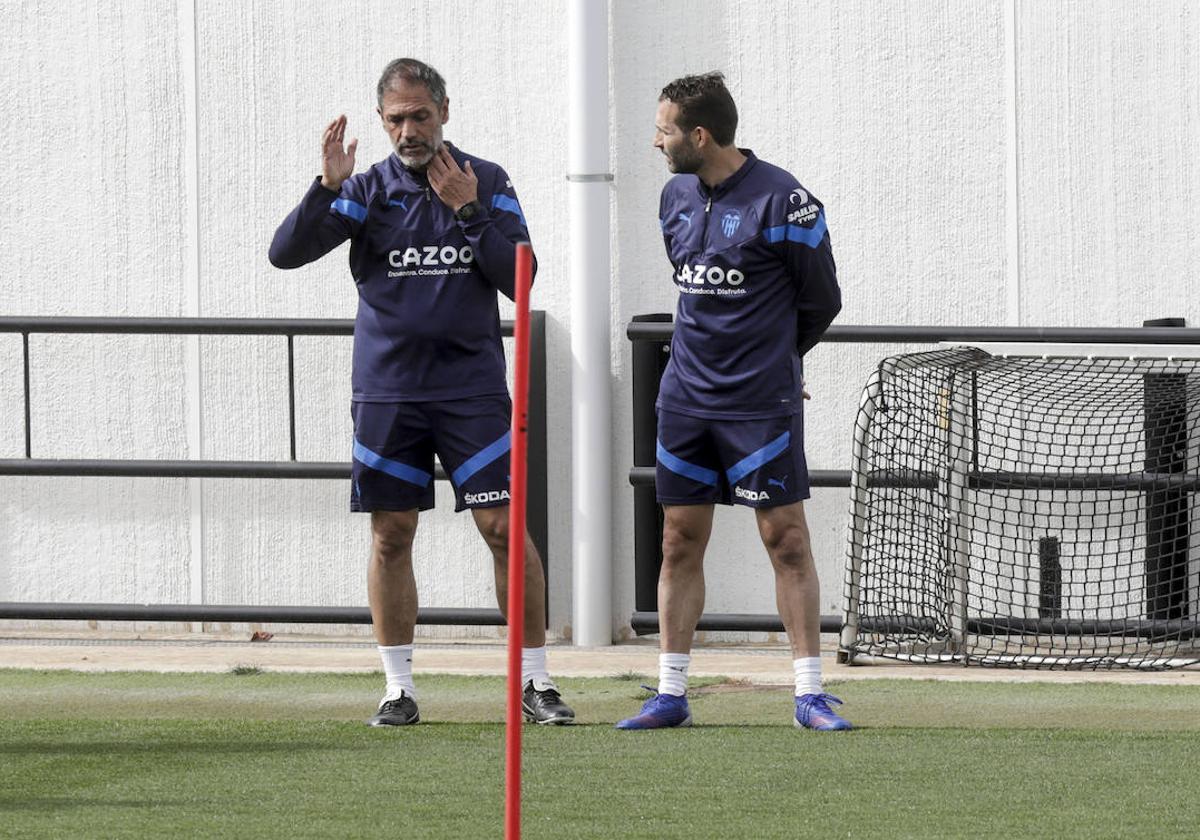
<point>758,463</point>
<point>394,445</point>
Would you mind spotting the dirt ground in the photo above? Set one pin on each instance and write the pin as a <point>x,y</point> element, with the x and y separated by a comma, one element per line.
<point>760,664</point>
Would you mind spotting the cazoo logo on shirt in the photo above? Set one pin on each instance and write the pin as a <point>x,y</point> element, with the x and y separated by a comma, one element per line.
<point>704,279</point>
<point>430,260</point>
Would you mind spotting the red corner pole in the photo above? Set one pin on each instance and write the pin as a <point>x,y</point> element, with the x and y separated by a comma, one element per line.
<point>516,545</point>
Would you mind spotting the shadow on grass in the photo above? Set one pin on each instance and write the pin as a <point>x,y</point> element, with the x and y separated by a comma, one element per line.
<point>158,746</point>
<point>696,726</point>
<point>50,804</point>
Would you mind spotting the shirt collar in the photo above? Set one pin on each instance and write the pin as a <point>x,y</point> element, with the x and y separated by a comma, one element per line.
<point>733,180</point>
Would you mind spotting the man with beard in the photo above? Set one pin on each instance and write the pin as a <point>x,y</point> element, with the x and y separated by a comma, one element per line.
<point>758,287</point>
<point>433,235</point>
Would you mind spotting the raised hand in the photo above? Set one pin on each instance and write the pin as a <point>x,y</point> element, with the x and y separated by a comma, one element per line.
<point>337,163</point>
<point>454,186</point>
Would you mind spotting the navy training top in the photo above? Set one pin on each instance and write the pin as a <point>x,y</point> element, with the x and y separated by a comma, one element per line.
<point>428,322</point>
<point>758,287</point>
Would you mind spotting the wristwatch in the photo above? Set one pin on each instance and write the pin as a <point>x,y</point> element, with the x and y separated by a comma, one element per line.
<point>468,211</point>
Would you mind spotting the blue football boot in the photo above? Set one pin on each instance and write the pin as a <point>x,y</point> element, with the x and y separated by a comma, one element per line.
<point>659,712</point>
<point>813,712</point>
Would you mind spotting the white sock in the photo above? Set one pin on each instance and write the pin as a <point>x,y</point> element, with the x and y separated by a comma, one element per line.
<point>808,675</point>
<point>672,673</point>
<point>397,667</point>
<point>533,666</point>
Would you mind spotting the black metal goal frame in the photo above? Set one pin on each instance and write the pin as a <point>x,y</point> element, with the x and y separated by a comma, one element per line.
<point>650,336</point>
<point>537,515</point>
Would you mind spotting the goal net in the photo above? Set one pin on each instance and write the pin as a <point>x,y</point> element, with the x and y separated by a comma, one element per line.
<point>1027,511</point>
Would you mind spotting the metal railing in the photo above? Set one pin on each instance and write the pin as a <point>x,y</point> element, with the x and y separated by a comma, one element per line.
<point>537,510</point>
<point>651,335</point>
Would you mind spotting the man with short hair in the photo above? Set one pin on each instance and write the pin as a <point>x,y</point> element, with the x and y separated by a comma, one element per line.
<point>433,235</point>
<point>758,287</point>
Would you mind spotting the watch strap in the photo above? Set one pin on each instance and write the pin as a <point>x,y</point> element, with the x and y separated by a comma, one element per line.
<point>468,211</point>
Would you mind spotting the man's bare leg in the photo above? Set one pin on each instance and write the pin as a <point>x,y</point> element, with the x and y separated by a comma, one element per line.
<point>541,700</point>
<point>493,526</point>
<point>391,587</point>
<point>686,529</point>
<point>392,593</point>
<point>784,533</point>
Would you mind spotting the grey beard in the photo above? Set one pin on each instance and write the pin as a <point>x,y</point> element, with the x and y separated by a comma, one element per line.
<point>419,163</point>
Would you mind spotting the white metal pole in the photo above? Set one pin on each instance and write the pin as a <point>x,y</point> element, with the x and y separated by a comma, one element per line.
<point>859,498</point>
<point>958,466</point>
<point>591,399</point>
<point>192,373</point>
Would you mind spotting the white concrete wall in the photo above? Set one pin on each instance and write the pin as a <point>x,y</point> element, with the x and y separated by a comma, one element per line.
<point>93,141</point>
<point>1109,194</point>
<point>160,157</point>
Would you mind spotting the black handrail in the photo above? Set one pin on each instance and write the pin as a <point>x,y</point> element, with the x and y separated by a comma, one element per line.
<point>537,513</point>
<point>894,334</point>
<point>651,335</point>
<point>184,326</point>
<point>252,614</point>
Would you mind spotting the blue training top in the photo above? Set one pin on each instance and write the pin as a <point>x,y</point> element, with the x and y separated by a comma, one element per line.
<point>758,287</point>
<point>428,323</point>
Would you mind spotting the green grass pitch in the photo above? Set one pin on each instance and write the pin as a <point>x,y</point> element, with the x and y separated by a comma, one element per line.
<point>286,755</point>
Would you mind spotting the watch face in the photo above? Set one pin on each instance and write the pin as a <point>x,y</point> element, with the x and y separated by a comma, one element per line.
<point>467,211</point>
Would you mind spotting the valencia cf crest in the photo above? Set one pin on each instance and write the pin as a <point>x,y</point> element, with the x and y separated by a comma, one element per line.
<point>730,222</point>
